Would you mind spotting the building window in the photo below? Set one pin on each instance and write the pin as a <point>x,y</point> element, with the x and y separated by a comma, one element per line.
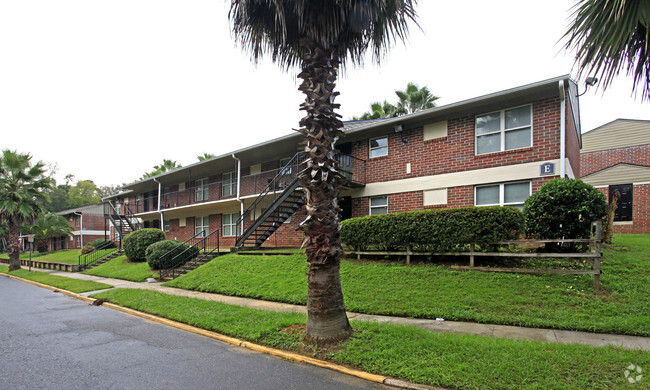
<point>202,190</point>
<point>378,147</point>
<point>166,226</point>
<point>77,241</point>
<point>379,205</point>
<point>287,170</point>
<point>623,211</point>
<point>77,221</point>
<point>504,194</point>
<point>202,225</point>
<point>504,130</point>
<point>229,184</point>
<point>230,227</point>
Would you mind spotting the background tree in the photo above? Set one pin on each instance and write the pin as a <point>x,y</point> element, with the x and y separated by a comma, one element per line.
<point>414,99</point>
<point>166,166</point>
<point>45,227</point>
<point>379,110</point>
<point>84,193</point>
<point>320,37</point>
<point>609,36</point>
<point>22,199</point>
<point>205,156</point>
<point>109,190</point>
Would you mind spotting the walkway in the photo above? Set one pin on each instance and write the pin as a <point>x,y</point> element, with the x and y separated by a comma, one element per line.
<point>512,332</point>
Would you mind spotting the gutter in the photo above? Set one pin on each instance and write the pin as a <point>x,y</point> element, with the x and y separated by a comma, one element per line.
<point>562,129</point>
<point>162,220</point>
<point>241,202</point>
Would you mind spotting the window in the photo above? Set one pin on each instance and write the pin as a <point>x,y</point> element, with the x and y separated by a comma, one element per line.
<point>229,222</point>
<point>505,194</point>
<point>229,184</point>
<point>166,226</point>
<point>201,190</point>
<point>379,205</point>
<point>623,211</point>
<point>287,170</point>
<point>77,241</point>
<point>77,221</point>
<point>378,147</point>
<point>202,225</point>
<point>504,130</point>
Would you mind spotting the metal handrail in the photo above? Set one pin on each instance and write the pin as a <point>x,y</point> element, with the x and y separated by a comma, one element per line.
<point>203,245</point>
<point>88,259</point>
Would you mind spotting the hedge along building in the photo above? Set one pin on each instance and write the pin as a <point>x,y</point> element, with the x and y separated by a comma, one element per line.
<point>616,156</point>
<point>490,150</point>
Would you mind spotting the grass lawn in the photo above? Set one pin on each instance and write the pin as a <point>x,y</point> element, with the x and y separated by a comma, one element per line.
<point>122,268</point>
<point>432,291</point>
<point>74,285</point>
<point>62,257</point>
<point>438,359</point>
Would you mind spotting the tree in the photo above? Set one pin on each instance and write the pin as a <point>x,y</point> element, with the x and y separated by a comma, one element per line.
<point>109,190</point>
<point>320,37</point>
<point>83,193</point>
<point>379,110</point>
<point>609,36</point>
<point>166,166</point>
<point>45,227</point>
<point>414,99</point>
<point>205,156</point>
<point>22,189</point>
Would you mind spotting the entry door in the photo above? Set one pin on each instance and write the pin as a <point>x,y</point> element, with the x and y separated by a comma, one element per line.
<point>624,209</point>
<point>345,203</point>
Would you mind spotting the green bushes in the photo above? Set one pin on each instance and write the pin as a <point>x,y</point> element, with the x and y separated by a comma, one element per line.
<point>87,249</point>
<point>97,243</point>
<point>433,230</point>
<point>161,254</point>
<point>135,243</point>
<point>563,208</point>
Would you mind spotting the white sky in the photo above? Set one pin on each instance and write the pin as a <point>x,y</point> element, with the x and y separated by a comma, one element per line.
<point>107,89</point>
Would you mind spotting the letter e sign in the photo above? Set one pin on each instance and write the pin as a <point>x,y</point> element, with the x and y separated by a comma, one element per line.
<point>547,169</point>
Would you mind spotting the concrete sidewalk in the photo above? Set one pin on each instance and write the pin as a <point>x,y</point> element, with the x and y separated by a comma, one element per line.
<point>505,331</point>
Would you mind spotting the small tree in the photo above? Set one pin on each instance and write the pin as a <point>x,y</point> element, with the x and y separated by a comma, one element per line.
<point>45,227</point>
<point>563,208</point>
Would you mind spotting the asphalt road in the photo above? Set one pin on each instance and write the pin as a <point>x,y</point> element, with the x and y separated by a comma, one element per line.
<point>51,341</point>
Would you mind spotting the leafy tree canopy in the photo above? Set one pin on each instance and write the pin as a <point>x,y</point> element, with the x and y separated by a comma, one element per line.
<point>205,156</point>
<point>166,166</point>
<point>410,100</point>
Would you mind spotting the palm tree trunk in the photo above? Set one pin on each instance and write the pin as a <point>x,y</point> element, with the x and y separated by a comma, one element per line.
<point>13,246</point>
<point>326,317</point>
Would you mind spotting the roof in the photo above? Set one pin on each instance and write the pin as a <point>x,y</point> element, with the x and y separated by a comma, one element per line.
<point>288,145</point>
<point>620,133</point>
<point>619,174</point>
<point>95,209</point>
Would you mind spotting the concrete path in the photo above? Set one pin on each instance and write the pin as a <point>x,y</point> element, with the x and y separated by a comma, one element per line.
<point>512,332</point>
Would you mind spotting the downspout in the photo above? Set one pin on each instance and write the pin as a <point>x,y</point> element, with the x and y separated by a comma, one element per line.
<point>241,202</point>
<point>162,221</point>
<point>562,130</point>
<point>81,226</point>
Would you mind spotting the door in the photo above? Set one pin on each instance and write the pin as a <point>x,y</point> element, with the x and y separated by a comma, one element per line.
<point>345,203</point>
<point>624,209</point>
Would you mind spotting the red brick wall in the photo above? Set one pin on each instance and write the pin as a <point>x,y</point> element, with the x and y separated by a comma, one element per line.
<point>595,161</point>
<point>640,210</point>
<point>572,140</point>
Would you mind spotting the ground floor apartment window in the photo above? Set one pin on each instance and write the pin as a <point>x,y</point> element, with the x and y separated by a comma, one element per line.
<point>77,241</point>
<point>229,224</point>
<point>202,225</point>
<point>379,205</point>
<point>503,194</point>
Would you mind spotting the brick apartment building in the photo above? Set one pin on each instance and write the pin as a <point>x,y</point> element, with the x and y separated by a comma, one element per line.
<point>88,224</point>
<point>495,149</point>
<point>616,156</point>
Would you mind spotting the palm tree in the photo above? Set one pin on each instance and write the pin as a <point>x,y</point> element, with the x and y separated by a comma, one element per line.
<point>205,156</point>
<point>45,227</point>
<point>611,35</point>
<point>320,37</point>
<point>166,166</point>
<point>379,110</point>
<point>414,99</point>
<point>21,197</point>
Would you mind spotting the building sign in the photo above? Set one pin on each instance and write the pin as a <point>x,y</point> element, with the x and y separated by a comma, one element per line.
<point>547,169</point>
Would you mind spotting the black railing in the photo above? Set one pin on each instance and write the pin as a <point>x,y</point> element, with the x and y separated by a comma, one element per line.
<point>101,252</point>
<point>206,245</point>
<point>134,222</point>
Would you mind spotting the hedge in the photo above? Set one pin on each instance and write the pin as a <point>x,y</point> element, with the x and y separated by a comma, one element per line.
<point>100,242</point>
<point>135,243</point>
<point>433,230</point>
<point>159,256</point>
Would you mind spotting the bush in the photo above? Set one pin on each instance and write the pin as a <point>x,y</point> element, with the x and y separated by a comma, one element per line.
<point>433,230</point>
<point>97,243</point>
<point>135,243</point>
<point>87,249</point>
<point>563,208</point>
<point>161,254</point>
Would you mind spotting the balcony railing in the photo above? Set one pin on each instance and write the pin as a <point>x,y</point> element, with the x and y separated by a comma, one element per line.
<point>352,168</point>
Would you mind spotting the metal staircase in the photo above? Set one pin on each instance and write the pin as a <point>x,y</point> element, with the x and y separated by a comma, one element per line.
<point>123,220</point>
<point>198,250</point>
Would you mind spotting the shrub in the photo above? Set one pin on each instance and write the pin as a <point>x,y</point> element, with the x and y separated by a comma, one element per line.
<point>433,230</point>
<point>135,243</point>
<point>87,249</point>
<point>161,254</point>
<point>100,242</point>
<point>563,208</point>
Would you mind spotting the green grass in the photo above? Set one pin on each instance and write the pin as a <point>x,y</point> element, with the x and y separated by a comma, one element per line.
<point>438,359</point>
<point>62,257</point>
<point>74,285</point>
<point>122,268</point>
<point>432,291</point>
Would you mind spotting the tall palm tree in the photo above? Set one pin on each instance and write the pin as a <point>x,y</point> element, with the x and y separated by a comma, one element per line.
<point>45,227</point>
<point>612,35</point>
<point>205,156</point>
<point>320,37</point>
<point>379,110</point>
<point>414,99</point>
<point>166,166</point>
<point>21,197</point>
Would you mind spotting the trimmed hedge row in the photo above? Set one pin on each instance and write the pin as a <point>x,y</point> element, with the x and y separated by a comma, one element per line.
<point>433,230</point>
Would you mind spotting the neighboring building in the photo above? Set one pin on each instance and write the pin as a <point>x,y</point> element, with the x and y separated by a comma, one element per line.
<point>88,225</point>
<point>616,156</point>
<point>495,149</point>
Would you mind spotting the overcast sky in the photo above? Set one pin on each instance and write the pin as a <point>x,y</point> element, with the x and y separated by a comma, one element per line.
<point>107,89</point>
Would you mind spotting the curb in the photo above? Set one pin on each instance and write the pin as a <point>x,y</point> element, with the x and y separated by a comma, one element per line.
<point>241,343</point>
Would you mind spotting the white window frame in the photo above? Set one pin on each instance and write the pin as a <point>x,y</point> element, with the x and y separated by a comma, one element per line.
<point>202,223</point>
<point>502,130</point>
<point>232,226</point>
<point>229,184</point>
<point>371,149</point>
<point>77,241</point>
<point>502,193</point>
<point>166,226</point>
<point>201,190</point>
<point>371,207</point>
<point>283,162</point>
